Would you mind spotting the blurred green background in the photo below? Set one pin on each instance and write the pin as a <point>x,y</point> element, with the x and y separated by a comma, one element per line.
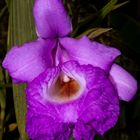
<point>112,22</point>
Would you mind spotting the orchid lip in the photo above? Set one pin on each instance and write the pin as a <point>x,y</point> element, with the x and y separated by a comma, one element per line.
<point>64,89</point>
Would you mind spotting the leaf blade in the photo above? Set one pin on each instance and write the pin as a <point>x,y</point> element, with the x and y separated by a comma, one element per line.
<point>21,29</point>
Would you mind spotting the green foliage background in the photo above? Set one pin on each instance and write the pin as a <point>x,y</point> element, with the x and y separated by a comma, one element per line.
<point>112,22</point>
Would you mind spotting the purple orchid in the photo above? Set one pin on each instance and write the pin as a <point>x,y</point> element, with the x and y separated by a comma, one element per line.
<point>74,86</point>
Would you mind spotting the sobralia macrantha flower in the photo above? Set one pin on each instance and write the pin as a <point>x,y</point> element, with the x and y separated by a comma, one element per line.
<point>74,87</point>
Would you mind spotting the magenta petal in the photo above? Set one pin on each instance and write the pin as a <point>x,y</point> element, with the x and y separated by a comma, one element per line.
<point>125,83</point>
<point>44,127</point>
<point>28,61</point>
<point>84,132</point>
<point>95,111</point>
<point>51,19</point>
<point>103,112</point>
<point>87,52</point>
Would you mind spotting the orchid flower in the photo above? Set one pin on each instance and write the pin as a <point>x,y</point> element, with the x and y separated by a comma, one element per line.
<point>73,85</point>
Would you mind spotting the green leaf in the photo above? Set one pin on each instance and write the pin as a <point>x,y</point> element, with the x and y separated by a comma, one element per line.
<point>94,19</point>
<point>120,5</point>
<point>107,8</point>
<point>94,32</point>
<point>21,29</point>
<point>20,108</point>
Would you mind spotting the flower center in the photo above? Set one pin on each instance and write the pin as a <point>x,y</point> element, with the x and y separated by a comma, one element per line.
<point>65,88</point>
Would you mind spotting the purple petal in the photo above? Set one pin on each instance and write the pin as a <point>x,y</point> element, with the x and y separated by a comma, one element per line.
<point>125,83</point>
<point>44,127</point>
<point>84,132</point>
<point>103,112</point>
<point>28,61</point>
<point>51,19</point>
<point>87,52</point>
<point>95,110</point>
